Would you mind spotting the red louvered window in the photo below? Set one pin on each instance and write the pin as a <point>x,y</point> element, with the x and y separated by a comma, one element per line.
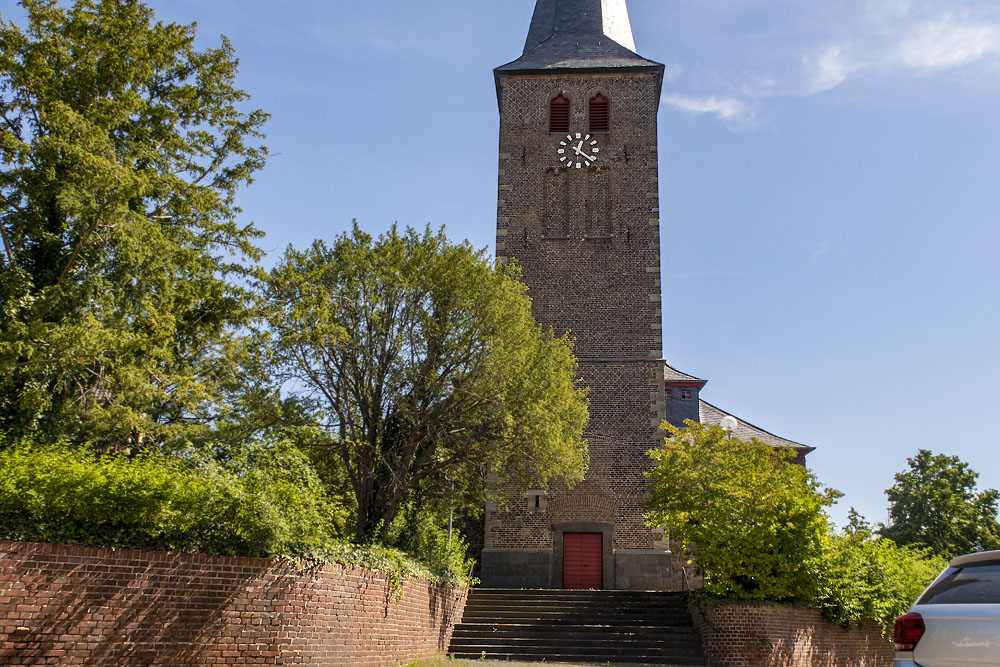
<point>600,114</point>
<point>559,115</point>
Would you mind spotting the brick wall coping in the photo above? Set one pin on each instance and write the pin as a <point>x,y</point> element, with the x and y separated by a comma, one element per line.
<point>84,551</point>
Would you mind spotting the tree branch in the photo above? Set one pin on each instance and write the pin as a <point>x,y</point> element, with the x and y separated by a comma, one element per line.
<point>79,246</point>
<point>6,245</point>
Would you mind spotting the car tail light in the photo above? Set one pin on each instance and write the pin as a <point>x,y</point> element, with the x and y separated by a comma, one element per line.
<point>909,629</point>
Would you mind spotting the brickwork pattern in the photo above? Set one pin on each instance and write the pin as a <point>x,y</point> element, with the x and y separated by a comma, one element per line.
<point>63,605</point>
<point>759,636</point>
<point>588,242</point>
<point>614,492</point>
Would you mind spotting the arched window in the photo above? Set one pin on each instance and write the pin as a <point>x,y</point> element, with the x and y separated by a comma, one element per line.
<point>559,115</point>
<point>600,114</point>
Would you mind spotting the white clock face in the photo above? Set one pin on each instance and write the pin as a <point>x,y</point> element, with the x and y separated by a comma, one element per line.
<point>578,151</point>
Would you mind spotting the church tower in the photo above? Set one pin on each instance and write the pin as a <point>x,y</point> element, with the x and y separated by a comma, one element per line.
<point>578,208</point>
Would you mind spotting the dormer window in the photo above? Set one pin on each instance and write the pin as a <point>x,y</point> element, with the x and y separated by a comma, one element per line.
<point>559,115</point>
<point>600,114</point>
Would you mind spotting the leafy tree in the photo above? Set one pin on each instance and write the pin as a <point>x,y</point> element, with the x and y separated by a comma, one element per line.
<point>420,373</point>
<point>866,576</point>
<point>755,520</point>
<point>122,149</point>
<point>934,504</point>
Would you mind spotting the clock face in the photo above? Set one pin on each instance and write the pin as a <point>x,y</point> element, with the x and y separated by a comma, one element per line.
<point>578,151</point>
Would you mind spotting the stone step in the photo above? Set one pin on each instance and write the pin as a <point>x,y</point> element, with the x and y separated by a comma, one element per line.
<point>543,649</point>
<point>590,658</point>
<point>527,593</point>
<point>502,603</point>
<point>576,610</point>
<point>570,618</point>
<point>622,627</point>
<point>580,630</point>
<point>682,647</point>
<point>578,633</point>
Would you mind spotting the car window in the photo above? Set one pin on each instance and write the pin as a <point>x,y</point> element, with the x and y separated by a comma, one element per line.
<point>974,584</point>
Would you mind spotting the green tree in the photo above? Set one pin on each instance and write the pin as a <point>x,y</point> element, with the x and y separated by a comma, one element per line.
<point>934,504</point>
<point>420,375</point>
<point>122,149</point>
<point>755,520</point>
<point>866,576</point>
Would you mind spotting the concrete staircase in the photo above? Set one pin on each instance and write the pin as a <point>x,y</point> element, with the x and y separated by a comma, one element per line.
<point>616,627</point>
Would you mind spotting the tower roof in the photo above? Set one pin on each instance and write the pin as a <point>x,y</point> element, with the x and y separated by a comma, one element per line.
<point>579,34</point>
<point>673,376</point>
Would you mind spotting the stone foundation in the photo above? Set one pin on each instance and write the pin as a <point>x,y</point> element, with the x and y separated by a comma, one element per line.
<point>625,569</point>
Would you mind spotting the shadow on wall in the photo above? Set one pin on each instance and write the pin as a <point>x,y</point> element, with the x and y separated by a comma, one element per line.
<point>134,609</point>
<point>146,608</point>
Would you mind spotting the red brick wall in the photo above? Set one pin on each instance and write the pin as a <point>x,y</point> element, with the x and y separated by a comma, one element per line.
<point>64,605</point>
<point>761,636</point>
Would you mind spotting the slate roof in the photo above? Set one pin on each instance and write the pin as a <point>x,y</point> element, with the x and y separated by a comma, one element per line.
<point>671,374</point>
<point>745,430</point>
<point>579,34</point>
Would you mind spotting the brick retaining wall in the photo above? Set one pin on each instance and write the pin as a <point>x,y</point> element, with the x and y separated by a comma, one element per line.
<point>62,605</point>
<point>774,636</point>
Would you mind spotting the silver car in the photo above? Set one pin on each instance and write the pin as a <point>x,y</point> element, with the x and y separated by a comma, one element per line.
<point>956,622</point>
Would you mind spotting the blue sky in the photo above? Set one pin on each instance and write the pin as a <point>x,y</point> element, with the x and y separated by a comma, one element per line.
<point>828,183</point>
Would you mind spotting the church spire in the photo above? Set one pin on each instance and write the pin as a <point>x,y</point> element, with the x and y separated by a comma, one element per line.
<point>579,34</point>
<point>583,19</point>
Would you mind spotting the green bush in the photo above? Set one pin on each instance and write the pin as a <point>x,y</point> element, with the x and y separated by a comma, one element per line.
<point>263,502</point>
<point>760,533</point>
<point>867,576</point>
<point>755,520</point>
<point>423,533</point>
<point>266,502</point>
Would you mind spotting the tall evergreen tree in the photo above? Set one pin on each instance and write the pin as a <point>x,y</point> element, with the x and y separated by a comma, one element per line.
<point>122,150</point>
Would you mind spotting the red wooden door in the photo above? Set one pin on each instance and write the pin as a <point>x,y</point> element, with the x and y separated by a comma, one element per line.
<point>583,560</point>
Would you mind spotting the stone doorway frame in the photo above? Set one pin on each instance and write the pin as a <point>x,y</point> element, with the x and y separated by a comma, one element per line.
<point>608,533</point>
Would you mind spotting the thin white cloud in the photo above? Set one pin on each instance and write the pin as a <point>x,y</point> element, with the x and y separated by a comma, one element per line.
<point>818,251</point>
<point>724,108</point>
<point>825,49</point>
<point>672,72</point>
<point>948,42</point>
<point>828,69</point>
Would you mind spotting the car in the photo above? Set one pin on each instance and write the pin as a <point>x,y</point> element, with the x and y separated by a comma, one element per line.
<point>956,621</point>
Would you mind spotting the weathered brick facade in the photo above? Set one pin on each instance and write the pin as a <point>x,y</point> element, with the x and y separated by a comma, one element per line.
<point>588,242</point>
<point>62,605</point>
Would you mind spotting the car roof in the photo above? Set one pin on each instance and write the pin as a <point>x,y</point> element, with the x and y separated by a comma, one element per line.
<point>972,559</point>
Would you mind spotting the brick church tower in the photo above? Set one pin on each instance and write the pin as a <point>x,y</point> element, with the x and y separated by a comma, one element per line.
<point>578,208</point>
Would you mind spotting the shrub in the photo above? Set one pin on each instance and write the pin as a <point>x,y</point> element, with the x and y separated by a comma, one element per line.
<point>423,533</point>
<point>265,503</point>
<point>756,519</point>
<point>867,576</point>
